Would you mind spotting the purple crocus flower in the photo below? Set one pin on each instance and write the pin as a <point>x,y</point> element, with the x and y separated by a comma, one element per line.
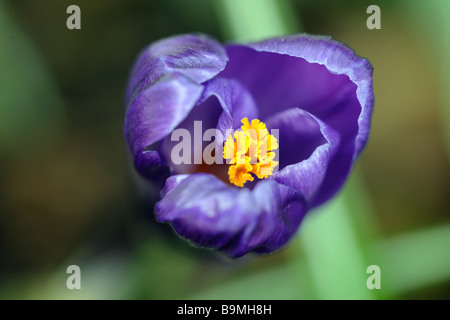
<point>315,91</point>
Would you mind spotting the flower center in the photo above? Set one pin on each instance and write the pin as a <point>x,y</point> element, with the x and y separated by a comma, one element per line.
<point>250,150</point>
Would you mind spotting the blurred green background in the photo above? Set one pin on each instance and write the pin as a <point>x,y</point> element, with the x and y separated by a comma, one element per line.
<point>69,194</point>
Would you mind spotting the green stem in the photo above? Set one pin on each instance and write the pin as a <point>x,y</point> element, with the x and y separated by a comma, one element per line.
<point>334,249</point>
<point>252,20</point>
<point>415,260</point>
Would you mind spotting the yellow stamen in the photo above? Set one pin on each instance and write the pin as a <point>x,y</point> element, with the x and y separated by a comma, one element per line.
<point>265,170</point>
<point>240,174</point>
<point>251,150</point>
<point>255,125</point>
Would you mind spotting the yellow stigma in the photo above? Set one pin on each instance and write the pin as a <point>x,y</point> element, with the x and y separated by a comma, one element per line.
<point>251,150</point>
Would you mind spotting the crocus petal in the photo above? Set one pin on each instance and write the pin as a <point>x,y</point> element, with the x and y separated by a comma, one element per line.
<point>235,100</point>
<point>307,146</point>
<point>154,113</point>
<point>315,73</point>
<point>223,104</point>
<point>201,117</point>
<point>210,213</point>
<point>196,56</point>
<point>318,75</point>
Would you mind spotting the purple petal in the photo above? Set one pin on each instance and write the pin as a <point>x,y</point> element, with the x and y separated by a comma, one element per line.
<point>315,73</point>
<point>195,56</point>
<point>223,104</point>
<point>307,146</point>
<point>235,100</point>
<point>207,115</point>
<point>154,113</point>
<point>318,75</point>
<point>210,213</point>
